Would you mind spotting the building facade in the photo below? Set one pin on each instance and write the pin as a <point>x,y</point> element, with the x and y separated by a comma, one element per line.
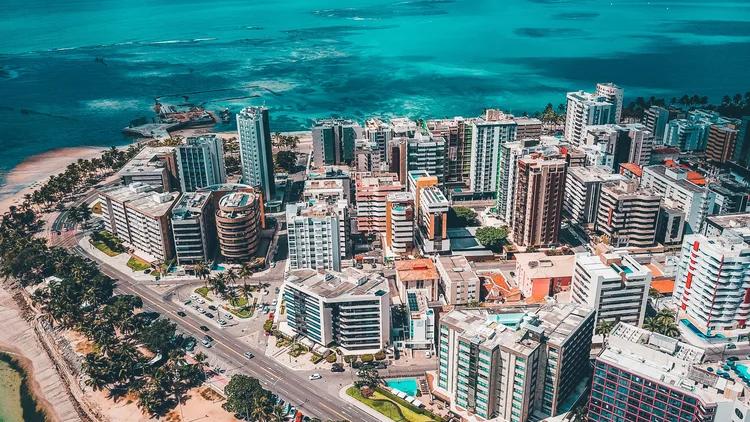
<point>372,191</point>
<point>333,141</point>
<point>316,235</point>
<point>254,136</point>
<point>539,201</point>
<point>432,221</point>
<point>194,229</point>
<point>239,220</point>
<point>458,282</point>
<point>586,109</point>
<point>154,166</point>
<point>426,154</point>
<point>417,274</point>
<point>628,215</point>
<point>614,94</point>
<point>722,140</point>
<point>200,161</point>
<point>400,215</point>
<point>677,191</point>
<point>488,134</point>
<point>582,190</point>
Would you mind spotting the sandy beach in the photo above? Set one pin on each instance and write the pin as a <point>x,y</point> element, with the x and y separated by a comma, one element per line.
<point>34,171</point>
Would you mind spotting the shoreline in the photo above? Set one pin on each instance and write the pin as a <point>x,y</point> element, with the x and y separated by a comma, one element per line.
<point>37,169</point>
<point>25,368</point>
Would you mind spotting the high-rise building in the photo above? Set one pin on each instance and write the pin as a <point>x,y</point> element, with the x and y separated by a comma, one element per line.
<point>417,274</point>
<point>742,150</point>
<point>488,134</point>
<point>317,234</point>
<point>371,195</point>
<point>419,331</point>
<point>380,134</point>
<point>627,215</point>
<point>585,109</point>
<point>731,196</point>
<point>194,228</point>
<point>154,166</point>
<point>333,141</point>
<point>539,201</point>
<point>732,224</point>
<point>710,285</point>
<point>644,376</point>
<point>256,155</point>
<point>625,143</point>
<point>670,228</point>
<point>613,283</point>
<point>416,180</point>
<point>399,229</point>
<point>432,221</point>
<point>722,140</point>
<point>397,158</point>
<point>139,215</point>
<point>457,135</point>
<point>655,120</point>
<point>672,185</point>
<point>582,189</point>
<point>367,157</point>
<point>200,161</point>
<point>528,128</point>
<point>459,282</point>
<point>426,154</point>
<point>514,363</point>
<point>238,223</point>
<point>350,309</point>
<point>614,94</point>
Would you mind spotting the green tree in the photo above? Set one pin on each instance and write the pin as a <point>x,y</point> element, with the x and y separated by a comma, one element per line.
<point>492,237</point>
<point>461,217</point>
<point>603,328</point>
<point>474,304</point>
<point>157,337</point>
<point>653,293</point>
<point>246,397</point>
<point>652,324</point>
<point>286,160</point>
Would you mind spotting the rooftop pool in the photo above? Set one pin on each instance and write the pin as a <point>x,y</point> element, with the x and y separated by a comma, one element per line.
<point>696,331</point>
<point>512,320</point>
<point>407,385</point>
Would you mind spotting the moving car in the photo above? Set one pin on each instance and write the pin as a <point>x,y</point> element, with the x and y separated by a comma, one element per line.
<point>209,315</point>
<point>228,316</point>
<point>208,338</point>
<point>212,307</point>
<point>314,377</point>
<point>188,302</point>
<point>731,346</point>
<point>182,314</point>
<point>206,344</point>
<point>249,355</point>
<point>204,328</point>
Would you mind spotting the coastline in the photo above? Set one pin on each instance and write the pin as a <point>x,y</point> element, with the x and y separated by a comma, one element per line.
<point>35,170</point>
<point>29,388</point>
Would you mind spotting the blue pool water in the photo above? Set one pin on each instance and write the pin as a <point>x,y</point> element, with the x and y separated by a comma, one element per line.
<point>407,385</point>
<point>742,369</point>
<point>510,320</point>
<point>219,268</point>
<point>697,332</point>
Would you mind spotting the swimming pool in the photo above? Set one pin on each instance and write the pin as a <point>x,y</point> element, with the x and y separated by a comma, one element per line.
<point>512,320</point>
<point>697,332</point>
<point>407,385</point>
<point>219,268</point>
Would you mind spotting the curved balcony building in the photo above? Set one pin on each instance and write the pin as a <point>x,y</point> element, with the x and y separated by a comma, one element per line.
<point>238,224</point>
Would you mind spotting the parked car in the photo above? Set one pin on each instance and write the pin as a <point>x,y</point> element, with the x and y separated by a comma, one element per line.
<point>731,346</point>
<point>147,272</point>
<point>208,338</point>
<point>337,369</point>
<point>212,307</point>
<point>190,345</point>
<point>201,301</point>
<point>228,316</point>
<point>427,354</point>
<point>249,355</point>
<point>209,315</point>
<point>188,302</point>
<point>206,344</point>
<point>182,314</point>
<point>201,310</point>
<point>357,365</point>
<point>204,328</point>
<point>733,359</point>
<point>314,377</point>
<point>194,297</point>
<point>274,302</point>
<point>381,365</point>
<point>222,322</point>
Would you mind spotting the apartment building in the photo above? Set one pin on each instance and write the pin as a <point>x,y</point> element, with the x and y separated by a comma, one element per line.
<point>670,228</point>
<point>333,141</point>
<point>239,220</point>
<point>372,192</point>
<point>418,274</point>
<point>643,376</point>
<point>738,224</point>
<point>528,128</point>
<point>710,285</point>
<point>154,166</point>
<point>367,157</point>
<point>539,201</point>
<point>457,133</point>
<point>317,234</point>
<point>426,154</point>
<point>582,190</point>
<point>627,215</point>
<point>458,282</point>
<point>622,143</point>
<point>586,109</point>
<point>419,331</point>
<point>432,221</point>
<point>655,119</point>
<point>614,94</point>
<point>513,363</point>
<point>380,134</point>
<point>400,215</point>
<point>200,161</point>
<point>349,309</point>
<point>672,184</point>
<point>613,283</point>
<point>326,190</point>
<point>488,134</point>
<point>541,275</point>
<point>742,150</point>
<point>722,140</point>
<point>194,228</point>
<point>731,196</point>
<point>254,134</point>
<point>416,180</point>
<point>139,215</point>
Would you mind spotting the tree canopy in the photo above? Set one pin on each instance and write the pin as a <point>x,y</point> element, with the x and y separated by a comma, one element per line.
<point>492,237</point>
<point>286,160</point>
<point>461,217</point>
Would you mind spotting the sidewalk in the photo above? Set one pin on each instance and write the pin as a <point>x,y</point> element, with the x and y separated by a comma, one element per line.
<point>361,406</point>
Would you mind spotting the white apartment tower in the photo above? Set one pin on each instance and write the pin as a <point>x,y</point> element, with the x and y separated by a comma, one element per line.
<point>487,135</point>
<point>614,95</point>
<point>586,109</point>
<point>459,282</point>
<point>200,161</point>
<point>317,235</point>
<point>255,149</point>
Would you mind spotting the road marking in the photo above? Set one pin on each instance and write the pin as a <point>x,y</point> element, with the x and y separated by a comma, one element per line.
<point>342,416</point>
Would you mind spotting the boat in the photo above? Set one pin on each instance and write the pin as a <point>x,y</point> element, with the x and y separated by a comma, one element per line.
<point>225,115</point>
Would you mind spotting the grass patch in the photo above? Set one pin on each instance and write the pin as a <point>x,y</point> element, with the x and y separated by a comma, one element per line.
<point>203,291</point>
<point>155,273</point>
<point>136,264</point>
<point>388,407</point>
<point>104,248</point>
<point>238,303</point>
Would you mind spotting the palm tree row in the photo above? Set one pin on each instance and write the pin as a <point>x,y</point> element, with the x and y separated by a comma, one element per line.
<point>224,284</point>
<point>663,323</point>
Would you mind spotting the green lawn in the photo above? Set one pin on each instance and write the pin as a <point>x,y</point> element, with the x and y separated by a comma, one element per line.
<point>243,313</point>
<point>203,291</point>
<point>239,302</point>
<point>388,407</point>
<point>136,264</point>
<point>104,248</point>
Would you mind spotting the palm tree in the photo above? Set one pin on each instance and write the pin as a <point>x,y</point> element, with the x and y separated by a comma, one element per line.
<point>603,328</point>
<point>203,270</point>
<point>653,293</point>
<point>580,414</point>
<point>652,324</point>
<point>670,329</point>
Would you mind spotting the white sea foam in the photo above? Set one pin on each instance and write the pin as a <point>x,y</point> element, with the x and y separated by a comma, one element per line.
<point>106,104</point>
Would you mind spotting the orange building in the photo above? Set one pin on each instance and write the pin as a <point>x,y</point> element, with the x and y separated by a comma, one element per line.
<point>371,194</point>
<point>539,275</point>
<point>417,274</point>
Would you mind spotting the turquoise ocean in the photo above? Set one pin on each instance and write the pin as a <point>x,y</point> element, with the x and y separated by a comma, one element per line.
<point>356,58</point>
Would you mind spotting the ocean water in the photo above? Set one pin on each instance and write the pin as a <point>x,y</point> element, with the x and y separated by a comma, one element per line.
<point>17,404</point>
<point>356,58</point>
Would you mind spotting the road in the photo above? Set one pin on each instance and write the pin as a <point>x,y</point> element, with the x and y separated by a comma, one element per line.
<point>308,396</point>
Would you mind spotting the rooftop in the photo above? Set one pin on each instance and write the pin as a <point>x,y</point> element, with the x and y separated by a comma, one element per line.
<point>631,167</point>
<point>346,284</point>
<point>540,265</point>
<point>190,205</point>
<point>676,175</point>
<point>432,195</point>
<point>593,174</point>
<point>226,187</point>
<point>416,269</point>
<point>147,161</point>
<point>457,268</point>
<point>383,180</point>
<point>610,265</point>
<point>400,197</point>
<point>142,197</point>
<point>238,200</point>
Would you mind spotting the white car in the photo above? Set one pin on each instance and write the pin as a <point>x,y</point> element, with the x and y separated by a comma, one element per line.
<point>228,316</point>
<point>194,297</point>
<point>201,310</point>
<point>314,377</point>
<point>222,322</point>
<point>201,301</point>
<point>274,302</point>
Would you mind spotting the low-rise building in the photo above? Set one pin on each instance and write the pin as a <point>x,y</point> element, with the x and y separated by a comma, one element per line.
<point>139,215</point>
<point>154,166</point>
<point>194,229</point>
<point>514,363</point>
<point>417,274</point>
<point>458,281</point>
<point>350,309</point>
<point>541,275</point>
<point>613,283</point>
